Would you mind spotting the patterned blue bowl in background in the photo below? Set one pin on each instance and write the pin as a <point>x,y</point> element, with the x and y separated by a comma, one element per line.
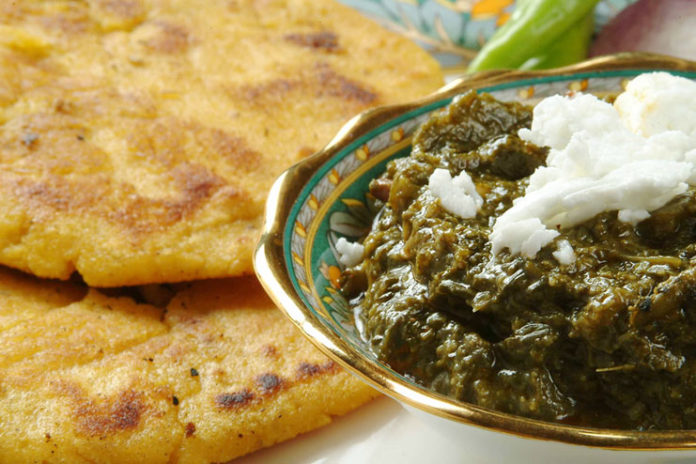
<point>453,30</point>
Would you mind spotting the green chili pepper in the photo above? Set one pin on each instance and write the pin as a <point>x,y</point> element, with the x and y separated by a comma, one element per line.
<point>534,27</point>
<point>571,47</point>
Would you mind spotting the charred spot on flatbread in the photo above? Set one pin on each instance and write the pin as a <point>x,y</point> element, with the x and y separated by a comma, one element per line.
<point>97,417</point>
<point>325,41</point>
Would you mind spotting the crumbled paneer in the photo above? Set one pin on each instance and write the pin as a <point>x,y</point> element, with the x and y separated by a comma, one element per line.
<point>632,157</point>
<point>564,254</point>
<point>458,195</point>
<point>350,253</point>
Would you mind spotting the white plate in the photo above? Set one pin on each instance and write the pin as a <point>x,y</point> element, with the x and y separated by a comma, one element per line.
<point>384,432</point>
<point>379,432</point>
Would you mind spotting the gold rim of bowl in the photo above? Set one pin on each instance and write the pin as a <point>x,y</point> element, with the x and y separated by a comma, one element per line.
<point>270,268</point>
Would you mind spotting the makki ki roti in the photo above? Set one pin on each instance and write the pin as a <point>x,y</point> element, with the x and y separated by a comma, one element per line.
<point>217,373</point>
<point>138,138</point>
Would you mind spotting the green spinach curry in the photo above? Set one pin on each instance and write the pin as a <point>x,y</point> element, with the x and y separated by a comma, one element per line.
<point>608,340</point>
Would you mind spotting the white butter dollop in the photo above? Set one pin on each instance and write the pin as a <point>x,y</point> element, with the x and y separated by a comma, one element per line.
<point>632,157</point>
<point>458,195</point>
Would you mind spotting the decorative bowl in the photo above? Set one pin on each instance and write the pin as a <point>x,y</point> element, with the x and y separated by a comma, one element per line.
<point>323,198</point>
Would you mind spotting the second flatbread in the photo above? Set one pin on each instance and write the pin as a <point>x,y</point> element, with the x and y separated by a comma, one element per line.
<point>219,373</point>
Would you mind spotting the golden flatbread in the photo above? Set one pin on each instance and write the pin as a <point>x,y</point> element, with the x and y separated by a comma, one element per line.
<point>138,138</point>
<point>90,378</point>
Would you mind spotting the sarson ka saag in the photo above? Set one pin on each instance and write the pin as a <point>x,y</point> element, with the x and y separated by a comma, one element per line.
<point>541,262</point>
